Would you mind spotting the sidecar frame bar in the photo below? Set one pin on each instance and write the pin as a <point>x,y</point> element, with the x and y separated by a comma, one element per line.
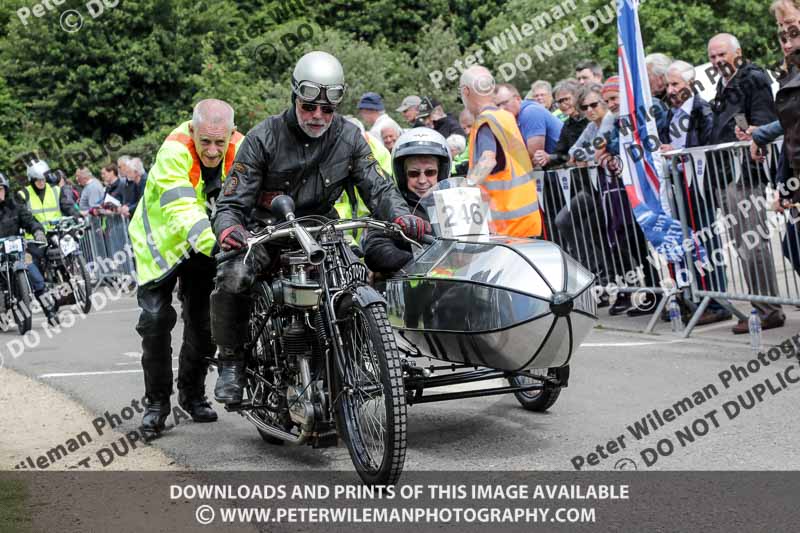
<point>416,386</point>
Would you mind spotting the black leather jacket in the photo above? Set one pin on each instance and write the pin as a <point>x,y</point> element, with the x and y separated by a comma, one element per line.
<point>15,215</point>
<point>277,157</point>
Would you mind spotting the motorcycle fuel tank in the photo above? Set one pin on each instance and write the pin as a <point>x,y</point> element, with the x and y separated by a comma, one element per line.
<point>493,301</point>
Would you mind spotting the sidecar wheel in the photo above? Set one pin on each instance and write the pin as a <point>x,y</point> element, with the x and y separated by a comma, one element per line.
<point>370,401</point>
<point>536,400</point>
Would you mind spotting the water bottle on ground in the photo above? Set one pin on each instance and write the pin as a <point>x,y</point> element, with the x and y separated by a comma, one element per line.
<point>754,325</point>
<point>675,315</point>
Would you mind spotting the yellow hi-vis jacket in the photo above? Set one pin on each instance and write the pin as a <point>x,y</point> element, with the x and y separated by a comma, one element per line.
<point>171,218</point>
<point>345,205</point>
<point>43,210</point>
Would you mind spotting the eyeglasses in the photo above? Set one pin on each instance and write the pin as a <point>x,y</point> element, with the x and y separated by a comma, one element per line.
<point>791,33</point>
<point>327,109</point>
<point>310,91</point>
<point>415,173</point>
<point>593,105</point>
<point>564,100</point>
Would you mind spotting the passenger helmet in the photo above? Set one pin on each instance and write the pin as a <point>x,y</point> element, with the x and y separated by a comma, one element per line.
<point>420,141</point>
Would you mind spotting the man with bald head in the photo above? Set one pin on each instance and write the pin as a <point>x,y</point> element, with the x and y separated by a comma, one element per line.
<point>743,88</point>
<point>498,158</point>
<point>172,241</point>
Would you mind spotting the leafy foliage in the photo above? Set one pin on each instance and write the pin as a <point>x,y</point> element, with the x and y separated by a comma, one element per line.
<point>132,72</point>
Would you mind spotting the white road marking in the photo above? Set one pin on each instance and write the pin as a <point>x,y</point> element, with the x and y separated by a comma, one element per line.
<point>127,310</point>
<point>611,344</point>
<point>99,373</point>
<point>138,362</point>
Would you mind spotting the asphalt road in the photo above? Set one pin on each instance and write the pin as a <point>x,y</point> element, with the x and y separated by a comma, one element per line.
<point>617,378</point>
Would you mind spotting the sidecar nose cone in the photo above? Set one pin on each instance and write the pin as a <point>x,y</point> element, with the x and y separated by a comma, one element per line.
<point>561,304</point>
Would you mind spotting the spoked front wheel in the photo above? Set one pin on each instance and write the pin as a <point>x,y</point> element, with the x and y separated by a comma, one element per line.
<point>369,396</point>
<point>22,309</point>
<point>80,282</point>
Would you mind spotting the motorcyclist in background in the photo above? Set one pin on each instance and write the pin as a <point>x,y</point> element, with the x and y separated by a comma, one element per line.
<point>68,197</point>
<point>13,216</point>
<point>43,195</point>
<point>311,154</point>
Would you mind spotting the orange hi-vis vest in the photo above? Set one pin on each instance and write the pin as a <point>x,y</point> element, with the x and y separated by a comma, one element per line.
<point>512,190</point>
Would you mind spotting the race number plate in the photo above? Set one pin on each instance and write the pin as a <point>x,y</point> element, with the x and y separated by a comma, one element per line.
<point>13,245</point>
<point>461,211</point>
<point>68,245</point>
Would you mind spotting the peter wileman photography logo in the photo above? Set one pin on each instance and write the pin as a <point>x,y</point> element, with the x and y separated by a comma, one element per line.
<point>70,20</point>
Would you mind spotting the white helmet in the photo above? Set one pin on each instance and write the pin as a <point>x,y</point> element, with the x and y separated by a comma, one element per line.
<point>38,170</point>
<point>420,141</point>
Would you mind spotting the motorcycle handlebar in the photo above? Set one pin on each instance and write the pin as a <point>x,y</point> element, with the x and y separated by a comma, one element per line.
<point>301,233</point>
<point>230,254</point>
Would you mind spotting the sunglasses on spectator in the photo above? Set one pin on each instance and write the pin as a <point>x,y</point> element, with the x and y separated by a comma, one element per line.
<point>791,33</point>
<point>415,173</point>
<point>593,105</point>
<point>563,100</point>
<point>327,109</point>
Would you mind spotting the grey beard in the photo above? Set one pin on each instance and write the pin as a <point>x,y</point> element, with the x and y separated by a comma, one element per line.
<point>312,134</point>
<point>307,131</point>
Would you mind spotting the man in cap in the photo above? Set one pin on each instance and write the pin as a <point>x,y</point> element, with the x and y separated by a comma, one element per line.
<point>373,113</point>
<point>410,108</point>
<point>433,116</point>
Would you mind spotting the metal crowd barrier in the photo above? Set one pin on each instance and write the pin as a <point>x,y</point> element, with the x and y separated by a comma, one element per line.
<point>106,247</point>
<point>585,210</point>
<point>753,251</point>
<point>719,194</point>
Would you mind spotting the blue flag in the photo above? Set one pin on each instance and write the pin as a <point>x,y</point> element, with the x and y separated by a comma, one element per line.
<point>640,173</point>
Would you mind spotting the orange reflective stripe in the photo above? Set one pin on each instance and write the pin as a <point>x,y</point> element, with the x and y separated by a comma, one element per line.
<point>230,154</point>
<point>512,190</point>
<point>188,142</point>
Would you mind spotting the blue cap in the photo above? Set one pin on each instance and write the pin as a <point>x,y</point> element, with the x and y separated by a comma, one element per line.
<point>371,101</point>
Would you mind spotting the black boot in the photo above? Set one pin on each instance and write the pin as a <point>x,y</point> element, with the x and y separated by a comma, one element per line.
<point>154,419</point>
<point>230,382</point>
<point>197,406</point>
<point>49,308</point>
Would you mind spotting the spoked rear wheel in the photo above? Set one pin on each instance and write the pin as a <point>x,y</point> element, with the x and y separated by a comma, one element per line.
<point>536,400</point>
<point>369,398</point>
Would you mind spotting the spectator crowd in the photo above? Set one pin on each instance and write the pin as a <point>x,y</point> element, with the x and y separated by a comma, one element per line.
<point>119,191</point>
<point>575,123</point>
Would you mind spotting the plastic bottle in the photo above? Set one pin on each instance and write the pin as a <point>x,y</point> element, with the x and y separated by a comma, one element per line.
<point>675,315</point>
<point>754,325</point>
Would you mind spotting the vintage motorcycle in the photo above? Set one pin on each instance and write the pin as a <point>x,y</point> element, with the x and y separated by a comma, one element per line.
<point>65,270</point>
<point>15,289</point>
<point>323,360</point>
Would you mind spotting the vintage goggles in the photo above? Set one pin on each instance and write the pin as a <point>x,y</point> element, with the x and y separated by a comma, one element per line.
<point>310,91</point>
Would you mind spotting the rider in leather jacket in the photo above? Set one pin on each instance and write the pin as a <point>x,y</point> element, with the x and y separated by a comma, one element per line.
<point>13,216</point>
<point>311,154</point>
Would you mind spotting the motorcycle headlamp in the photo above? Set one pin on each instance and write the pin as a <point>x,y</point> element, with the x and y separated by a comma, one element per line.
<point>309,91</point>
